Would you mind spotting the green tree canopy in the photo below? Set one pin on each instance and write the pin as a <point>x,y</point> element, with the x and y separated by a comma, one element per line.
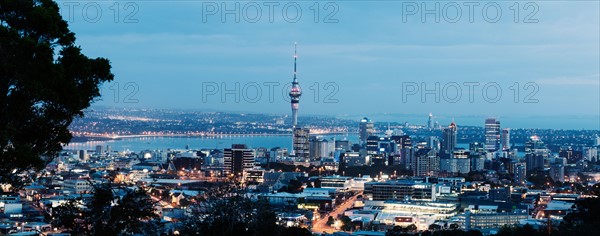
<point>45,82</point>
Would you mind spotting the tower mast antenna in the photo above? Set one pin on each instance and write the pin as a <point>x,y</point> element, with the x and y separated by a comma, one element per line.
<point>295,58</point>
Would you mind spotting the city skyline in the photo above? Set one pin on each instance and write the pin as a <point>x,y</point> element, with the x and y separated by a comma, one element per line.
<point>173,118</point>
<point>526,121</point>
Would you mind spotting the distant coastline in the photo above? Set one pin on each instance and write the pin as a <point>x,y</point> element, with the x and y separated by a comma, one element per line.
<point>83,139</point>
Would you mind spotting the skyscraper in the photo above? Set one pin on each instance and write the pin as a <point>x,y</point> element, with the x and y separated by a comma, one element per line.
<point>98,149</point>
<point>505,139</point>
<point>237,159</point>
<point>83,156</point>
<point>320,148</point>
<point>372,145</point>
<point>534,144</point>
<point>492,134</point>
<point>520,173</point>
<point>536,154</point>
<point>430,121</point>
<point>402,141</point>
<point>426,162</point>
<point>301,146</point>
<point>449,138</point>
<point>367,129</point>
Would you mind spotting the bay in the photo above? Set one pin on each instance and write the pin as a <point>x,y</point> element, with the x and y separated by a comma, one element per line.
<point>195,142</point>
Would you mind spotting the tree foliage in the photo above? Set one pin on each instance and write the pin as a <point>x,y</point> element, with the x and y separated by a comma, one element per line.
<point>330,221</point>
<point>236,215</point>
<point>346,223</point>
<point>65,215</point>
<point>521,230</point>
<point>45,82</point>
<point>225,210</point>
<point>583,220</point>
<point>109,214</point>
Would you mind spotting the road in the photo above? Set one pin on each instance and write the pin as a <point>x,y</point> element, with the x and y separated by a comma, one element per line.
<point>320,225</point>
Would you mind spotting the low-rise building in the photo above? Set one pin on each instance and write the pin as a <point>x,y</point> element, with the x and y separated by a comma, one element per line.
<point>77,186</point>
<point>337,182</point>
<point>495,220</point>
<point>422,214</point>
<point>400,190</point>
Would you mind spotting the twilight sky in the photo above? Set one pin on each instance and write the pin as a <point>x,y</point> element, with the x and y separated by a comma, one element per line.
<point>360,58</point>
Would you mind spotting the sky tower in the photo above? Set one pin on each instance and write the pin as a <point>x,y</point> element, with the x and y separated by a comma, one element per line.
<point>295,94</point>
<point>300,142</point>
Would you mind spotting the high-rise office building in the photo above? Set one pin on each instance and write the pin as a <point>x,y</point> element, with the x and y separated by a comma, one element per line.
<point>533,144</point>
<point>433,142</point>
<point>534,162</point>
<point>505,140</point>
<point>536,154</point>
<point>520,173</point>
<point>366,129</point>
<point>83,155</point>
<point>406,157</point>
<point>343,145</point>
<point>458,162</point>
<point>477,161</point>
<point>449,139</point>
<point>492,135</point>
<point>372,145</point>
<point>463,162</point>
<point>277,153</point>
<point>430,122</point>
<point>476,147</point>
<point>301,147</point>
<point>571,155</point>
<point>402,141</point>
<point>590,153</point>
<point>426,162</point>
<point>98,149</point>
<point>321,148</point>
<point>557,172</point>
<point>237,159</point>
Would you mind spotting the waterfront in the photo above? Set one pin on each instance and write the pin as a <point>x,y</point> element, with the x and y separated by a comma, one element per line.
<point>196,142</point>
<point>211,142</point>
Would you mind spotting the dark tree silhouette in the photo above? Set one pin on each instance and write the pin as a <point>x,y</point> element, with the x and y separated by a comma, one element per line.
<point>330,221</point>
<point>295,231</point>
<point>434,227</point>
<point>66,215</point>
<point>134,214</point>
<point>108,214</point>
<point>584,219</point>
<point>411,228</point>
<point>520,230</point>
<point>236,215</point>
<point>346,223</point>
<point>45,82</point>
